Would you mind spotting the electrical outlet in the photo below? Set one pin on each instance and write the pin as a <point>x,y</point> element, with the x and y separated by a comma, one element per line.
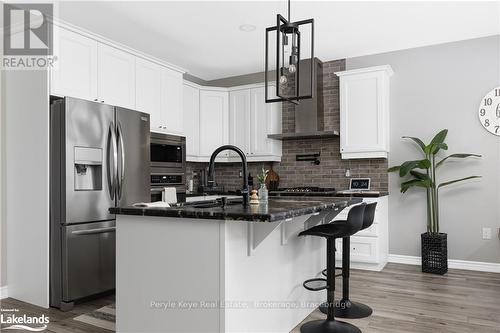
<point>486,233</point>
<point>241,173</point>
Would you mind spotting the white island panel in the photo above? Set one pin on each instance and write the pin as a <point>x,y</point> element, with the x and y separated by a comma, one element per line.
<point>165,265</point>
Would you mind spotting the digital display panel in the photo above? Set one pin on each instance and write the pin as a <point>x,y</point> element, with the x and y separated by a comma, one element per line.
<point>360,184</point>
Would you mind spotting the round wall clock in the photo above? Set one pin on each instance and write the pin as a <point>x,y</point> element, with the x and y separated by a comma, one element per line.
<point>489,111</point>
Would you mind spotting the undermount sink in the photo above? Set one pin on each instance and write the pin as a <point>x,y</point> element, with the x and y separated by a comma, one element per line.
<point>211,204</point>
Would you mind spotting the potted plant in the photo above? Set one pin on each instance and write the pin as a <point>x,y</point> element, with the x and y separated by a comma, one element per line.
<point>263,192</point>
<point>423,173</point>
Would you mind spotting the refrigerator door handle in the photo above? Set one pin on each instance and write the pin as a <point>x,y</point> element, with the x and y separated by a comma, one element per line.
<point>93,231</point>
<point>121,174</point>
<point>114,164</point>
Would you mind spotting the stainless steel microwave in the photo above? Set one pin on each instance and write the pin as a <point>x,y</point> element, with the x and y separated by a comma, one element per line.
<point>168,151</point>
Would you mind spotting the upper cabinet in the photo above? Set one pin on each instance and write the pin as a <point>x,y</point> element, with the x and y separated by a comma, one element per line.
<point>213,121</point>
<point>265,119</point>
<point>148,92</point>
<point>251,120</point>
<point>97,71</point>
<point>172,100</point>
<point>75,73</point>
<point>158,91</point>
<point>191,107</point>
<point>364,112</point>
<point>239,119</point>
<point>116,76</point>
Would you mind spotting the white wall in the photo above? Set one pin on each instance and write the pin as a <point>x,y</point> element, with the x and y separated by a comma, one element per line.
<point>27,184</point>
<point>438,87</point>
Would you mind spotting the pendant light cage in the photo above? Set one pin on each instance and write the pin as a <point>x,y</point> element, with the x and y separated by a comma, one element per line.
<point>286,80</point>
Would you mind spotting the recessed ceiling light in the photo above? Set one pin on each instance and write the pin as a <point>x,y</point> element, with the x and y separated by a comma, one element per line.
<point>247,27</point>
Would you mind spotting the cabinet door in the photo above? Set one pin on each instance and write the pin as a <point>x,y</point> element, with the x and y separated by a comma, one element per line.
<point>171,106</point>
<point>191,109</point>
<point>116,77</point>
<point>260,123</point>
<point>239,120</point>
<point>75,73</point>
<point>364,112</point>
<point>213,121</point>
<point>148,92</point>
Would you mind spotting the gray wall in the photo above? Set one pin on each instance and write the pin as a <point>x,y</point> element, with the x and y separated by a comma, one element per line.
<point>440,87</point>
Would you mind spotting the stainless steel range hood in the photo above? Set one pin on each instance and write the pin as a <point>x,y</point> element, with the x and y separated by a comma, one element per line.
<point>309,113</point>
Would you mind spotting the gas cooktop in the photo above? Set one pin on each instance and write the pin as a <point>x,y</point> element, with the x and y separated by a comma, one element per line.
<point>304,190</point>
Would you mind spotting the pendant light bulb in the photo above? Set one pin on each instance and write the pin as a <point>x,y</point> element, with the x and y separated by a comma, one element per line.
<point>283,80</point>
<point>292,68</point>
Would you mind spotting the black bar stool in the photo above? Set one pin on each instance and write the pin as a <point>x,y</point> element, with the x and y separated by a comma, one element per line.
<point>332,231</point>
<point>346,308</point>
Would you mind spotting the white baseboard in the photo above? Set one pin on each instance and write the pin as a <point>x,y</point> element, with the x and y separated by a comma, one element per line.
<point>4,292</point>
<point>452,263</point>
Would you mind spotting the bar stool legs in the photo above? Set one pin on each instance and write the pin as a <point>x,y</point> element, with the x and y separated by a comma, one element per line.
<point>330,325</point>
<point>345,308</point>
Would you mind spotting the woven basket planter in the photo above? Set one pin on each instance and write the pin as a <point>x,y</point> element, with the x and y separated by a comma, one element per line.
<point>434,253</point>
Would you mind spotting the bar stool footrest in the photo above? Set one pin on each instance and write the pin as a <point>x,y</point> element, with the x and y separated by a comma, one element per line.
<point>336,275</point>
<point>309,281</point>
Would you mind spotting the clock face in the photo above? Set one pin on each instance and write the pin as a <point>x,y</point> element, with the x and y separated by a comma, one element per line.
<point>489,111</point>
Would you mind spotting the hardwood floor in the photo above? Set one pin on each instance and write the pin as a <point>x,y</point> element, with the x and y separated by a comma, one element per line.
<point>404,300</point>
<point>61,322</point>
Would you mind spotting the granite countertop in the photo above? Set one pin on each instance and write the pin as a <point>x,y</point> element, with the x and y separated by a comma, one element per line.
<point>277,209</point>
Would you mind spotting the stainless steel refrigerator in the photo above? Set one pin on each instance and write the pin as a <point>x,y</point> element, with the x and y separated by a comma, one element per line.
<point>99,159</point>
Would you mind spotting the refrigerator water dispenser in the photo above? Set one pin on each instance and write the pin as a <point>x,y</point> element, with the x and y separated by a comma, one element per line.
<point>88,169</point>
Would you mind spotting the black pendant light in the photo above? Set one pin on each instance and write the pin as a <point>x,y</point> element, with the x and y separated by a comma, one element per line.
<point>283,41</point>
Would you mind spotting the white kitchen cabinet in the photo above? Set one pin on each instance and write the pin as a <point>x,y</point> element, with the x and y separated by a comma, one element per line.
<point>239,120</point>
<point>148,91</point>
<point>213,121</point>
<point>75,71</point>
<point>172,100</point>
<point>191,107</point>
<point>265,119</point>
<point>158,91</point>
<point>369,247</point>
<point>251,120</point>
<point>364,112</point>
<point>116,76</point>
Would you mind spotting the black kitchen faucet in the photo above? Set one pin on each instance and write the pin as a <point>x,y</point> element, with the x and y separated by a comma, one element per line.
<point>211,182</point>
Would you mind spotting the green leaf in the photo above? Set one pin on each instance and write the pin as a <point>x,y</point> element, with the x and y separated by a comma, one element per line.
<point>461,155</point>
<point>437,143</point>
<point>456,181</point>
<point>419,142</point>
<point>394,168</point>
<point>419,175</point>
<point>414,183</point>
<point>410,165</point>
<point>439,138</point>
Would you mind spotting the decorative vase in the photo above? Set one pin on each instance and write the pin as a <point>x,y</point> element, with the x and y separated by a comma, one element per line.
<point>434,253</point>
<point>263,193</point>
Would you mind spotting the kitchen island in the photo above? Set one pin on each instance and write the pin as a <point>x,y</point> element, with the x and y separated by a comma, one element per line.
<point>205,268</point>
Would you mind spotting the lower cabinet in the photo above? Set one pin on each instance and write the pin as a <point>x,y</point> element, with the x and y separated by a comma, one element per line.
<point>369,247</point>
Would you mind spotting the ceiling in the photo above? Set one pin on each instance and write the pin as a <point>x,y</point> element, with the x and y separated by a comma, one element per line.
<point>204,38</point>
